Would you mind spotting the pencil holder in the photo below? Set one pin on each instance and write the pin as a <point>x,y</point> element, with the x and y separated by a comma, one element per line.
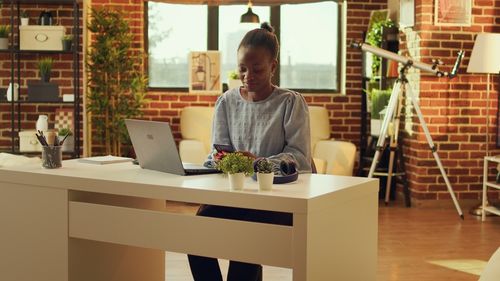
<point>52,157</point>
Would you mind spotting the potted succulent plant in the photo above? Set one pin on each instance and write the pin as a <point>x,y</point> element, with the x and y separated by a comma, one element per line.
<point>236,166</point>
<point>265,173</point>
<point>67,42</point>
<point>65,138</point>
<point>233,80</point>
<point>4,37</point>
<point>24,18</point>
<point>45,67</point>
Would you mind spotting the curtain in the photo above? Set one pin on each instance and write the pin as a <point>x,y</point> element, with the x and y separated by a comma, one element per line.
<point>244,2</point>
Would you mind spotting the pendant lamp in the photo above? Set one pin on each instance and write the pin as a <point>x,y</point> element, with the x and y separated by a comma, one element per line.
<point>249,16</point>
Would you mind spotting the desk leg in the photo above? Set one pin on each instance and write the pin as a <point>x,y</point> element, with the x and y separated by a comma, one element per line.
<point>337,243</point>
<point>34,233</point>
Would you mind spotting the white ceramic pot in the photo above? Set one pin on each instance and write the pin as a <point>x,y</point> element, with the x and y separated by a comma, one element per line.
<point>4,43</point>
<point>265,181</point>
<point>13,92</point>
<point>25,21</point>
<point>375,126</point>
<point>234,83</point>
<point>68,144</point>
<point>236,181</point>
<point>42,124</point>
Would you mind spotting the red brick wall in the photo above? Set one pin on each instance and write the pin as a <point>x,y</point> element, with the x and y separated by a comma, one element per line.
<point>62,73</point>
<point>454,110</point>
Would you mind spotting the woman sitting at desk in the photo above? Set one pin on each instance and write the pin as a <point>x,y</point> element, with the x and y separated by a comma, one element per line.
<point>260,120</point>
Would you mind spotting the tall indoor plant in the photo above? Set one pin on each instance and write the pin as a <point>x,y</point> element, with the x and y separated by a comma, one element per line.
<point>117,83</point>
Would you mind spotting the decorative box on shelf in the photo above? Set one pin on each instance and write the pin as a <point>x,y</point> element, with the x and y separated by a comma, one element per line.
<point>41,37</point>
<point>28,141</point>
<point>43,91</point>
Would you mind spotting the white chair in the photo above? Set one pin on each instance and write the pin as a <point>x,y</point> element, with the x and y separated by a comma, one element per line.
<point>330,156</point>
<point>196,131</point>
<point>492,270</point>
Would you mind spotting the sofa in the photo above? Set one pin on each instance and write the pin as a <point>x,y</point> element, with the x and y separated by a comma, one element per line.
<point>330,156</point>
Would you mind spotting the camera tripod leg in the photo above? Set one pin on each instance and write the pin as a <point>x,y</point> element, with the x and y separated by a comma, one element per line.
<point>434,150</point>
<point>391,107</point>
<point>394,144</point>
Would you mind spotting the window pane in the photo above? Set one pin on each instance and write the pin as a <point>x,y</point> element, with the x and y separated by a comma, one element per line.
<point>231,31</point>
<point>309,46</point>
<point>173,31</point>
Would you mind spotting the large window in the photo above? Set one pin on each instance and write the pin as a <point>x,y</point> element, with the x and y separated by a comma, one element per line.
<point>230,34</point>
<point>309,48</point>
<point>173,31</point>
<point>309,35</point>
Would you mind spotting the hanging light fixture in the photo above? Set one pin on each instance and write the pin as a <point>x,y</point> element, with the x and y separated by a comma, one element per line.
<point>249,16</point>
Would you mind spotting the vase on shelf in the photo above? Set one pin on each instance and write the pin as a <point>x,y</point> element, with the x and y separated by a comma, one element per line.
<point>42,123</point>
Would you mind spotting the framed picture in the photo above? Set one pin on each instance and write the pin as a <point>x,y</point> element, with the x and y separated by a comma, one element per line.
<point>452,12</point>
<point>406,13</point>
<point>204,72</point>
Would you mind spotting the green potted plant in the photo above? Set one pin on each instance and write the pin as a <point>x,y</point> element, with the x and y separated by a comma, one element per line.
<point>265,173</point>
<point>65,138</point>
<point>374,38</point>
<point>4,37</point>
<point>236,166</point>
<point>67,42</point>
<point>24,18</point>
<point>379,100</point>
<point>116,84</point>
<point>45,67</point>
<point>233,80</point>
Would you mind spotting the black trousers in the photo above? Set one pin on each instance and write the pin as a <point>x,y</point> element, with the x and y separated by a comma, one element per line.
<point>207,269</point>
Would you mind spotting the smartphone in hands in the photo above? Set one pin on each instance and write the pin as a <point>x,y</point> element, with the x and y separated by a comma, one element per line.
<point>224,147</point>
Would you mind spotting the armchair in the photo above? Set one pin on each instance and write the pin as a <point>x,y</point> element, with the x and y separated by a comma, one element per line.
<point>330,156</point>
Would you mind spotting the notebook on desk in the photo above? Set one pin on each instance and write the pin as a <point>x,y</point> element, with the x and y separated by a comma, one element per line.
<point>155,148</point>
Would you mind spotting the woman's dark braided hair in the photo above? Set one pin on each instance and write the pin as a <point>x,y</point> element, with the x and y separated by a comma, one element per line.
<point>262,37</point>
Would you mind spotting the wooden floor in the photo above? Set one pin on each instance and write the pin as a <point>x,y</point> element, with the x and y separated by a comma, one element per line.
<point>409,240</point>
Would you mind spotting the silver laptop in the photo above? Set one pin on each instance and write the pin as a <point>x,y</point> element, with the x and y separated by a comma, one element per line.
<point>155,148</point>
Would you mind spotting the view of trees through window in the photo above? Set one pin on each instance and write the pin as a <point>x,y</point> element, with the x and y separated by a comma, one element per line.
<point>309,48</point>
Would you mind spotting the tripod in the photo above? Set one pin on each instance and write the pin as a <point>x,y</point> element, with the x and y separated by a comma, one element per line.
<point>393,113</point>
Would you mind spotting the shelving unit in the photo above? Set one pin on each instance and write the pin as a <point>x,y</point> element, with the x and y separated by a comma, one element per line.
<point>486,184</point>
<point>16,58</point>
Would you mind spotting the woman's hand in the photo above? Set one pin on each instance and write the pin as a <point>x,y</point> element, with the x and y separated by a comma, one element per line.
<point>248,154</point>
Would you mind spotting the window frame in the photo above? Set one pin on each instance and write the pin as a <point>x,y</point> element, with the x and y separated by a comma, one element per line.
<point>275,17</point>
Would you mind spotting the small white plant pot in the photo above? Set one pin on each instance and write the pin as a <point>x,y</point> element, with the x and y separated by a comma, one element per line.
<point>236,181</point>
<point>265,181</point>
<point>4,43</point>
<point>234,83</point>
<point>25,21</point>
<point>68,144</point>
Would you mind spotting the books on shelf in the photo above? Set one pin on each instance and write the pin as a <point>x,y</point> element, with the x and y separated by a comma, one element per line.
<point>102,160</point>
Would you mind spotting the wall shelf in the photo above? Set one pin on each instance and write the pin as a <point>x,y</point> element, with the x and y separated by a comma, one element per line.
<point>16,58</point>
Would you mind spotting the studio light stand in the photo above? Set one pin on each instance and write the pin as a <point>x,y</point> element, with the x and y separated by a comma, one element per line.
<point>393,113</point>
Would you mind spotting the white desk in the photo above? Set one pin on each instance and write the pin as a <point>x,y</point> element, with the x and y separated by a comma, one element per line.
<point>54,222</point>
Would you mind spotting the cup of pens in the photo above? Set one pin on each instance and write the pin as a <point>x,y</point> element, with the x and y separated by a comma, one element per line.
<point>51,153</point>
